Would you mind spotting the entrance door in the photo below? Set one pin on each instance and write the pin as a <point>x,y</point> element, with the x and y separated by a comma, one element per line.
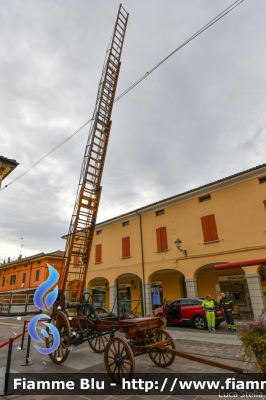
<point>238,293</point>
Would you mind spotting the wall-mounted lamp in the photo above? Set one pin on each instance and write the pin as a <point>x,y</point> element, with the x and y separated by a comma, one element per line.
<point>106,286</point>
<point>133,285</point>
<point>178,244</point>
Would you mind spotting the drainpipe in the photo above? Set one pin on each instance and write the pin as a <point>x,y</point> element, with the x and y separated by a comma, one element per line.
<point>142,262</point>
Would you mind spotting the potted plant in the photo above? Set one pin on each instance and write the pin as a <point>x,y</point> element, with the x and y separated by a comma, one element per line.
<point>252,334</point>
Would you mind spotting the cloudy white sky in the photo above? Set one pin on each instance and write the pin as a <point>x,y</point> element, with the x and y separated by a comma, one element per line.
<point>200,117</point>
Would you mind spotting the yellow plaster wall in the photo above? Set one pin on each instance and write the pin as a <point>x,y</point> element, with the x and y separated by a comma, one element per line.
<point>241,224</point>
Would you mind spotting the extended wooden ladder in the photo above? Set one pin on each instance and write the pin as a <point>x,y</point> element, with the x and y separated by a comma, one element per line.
<point>82,225</point>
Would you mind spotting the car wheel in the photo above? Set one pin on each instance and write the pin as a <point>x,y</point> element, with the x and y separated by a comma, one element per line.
<point>216,325</point>
<point>159,315</point>
<point>200,322</point>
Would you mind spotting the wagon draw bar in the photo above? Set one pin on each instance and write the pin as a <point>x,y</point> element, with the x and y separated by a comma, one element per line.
<point>159,346</point>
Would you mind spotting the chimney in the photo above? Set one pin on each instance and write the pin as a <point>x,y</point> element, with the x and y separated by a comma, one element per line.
<point>20,257</point>
<point>8,260</point>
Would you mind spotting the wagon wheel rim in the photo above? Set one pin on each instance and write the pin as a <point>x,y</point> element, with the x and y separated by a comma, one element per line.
<point>159,356</point>
<point>98,343</point>
<point>60,321</point>
<point>119,360</point>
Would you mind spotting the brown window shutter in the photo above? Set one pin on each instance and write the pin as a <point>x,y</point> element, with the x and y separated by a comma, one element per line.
<point>206,229</point>
<point>264,202</point>
<point>209,228</point>
<point>213,228</point>
<point>126,246</point>
<point>164,238</point>
<point>76,258</point>
<point>98,253</point>
<point>158,237</point>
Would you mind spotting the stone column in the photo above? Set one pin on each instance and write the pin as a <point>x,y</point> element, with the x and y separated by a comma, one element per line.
<point>112,299</point>
<point>147,298</point>
<point>192,287</point>
<point>255,292</point>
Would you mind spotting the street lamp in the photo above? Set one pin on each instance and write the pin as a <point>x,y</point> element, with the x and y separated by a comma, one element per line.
<point>178,244</point>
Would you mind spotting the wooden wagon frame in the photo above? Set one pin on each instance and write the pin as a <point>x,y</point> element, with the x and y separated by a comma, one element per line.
<point>97,326</point>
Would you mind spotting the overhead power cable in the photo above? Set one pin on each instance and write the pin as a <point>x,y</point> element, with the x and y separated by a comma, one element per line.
<point>204,28</point>
<point>213,21</point>
<point>46,155</point>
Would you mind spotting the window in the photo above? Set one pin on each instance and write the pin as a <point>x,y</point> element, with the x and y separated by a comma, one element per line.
<point>126,247</point>
<point>98,253</point>
<point>126,223</point>
<point>13,279</point>
<point>24,277</point>
<point>188,302</point>
<point>205,198</point>
<point>161,239</point>
<point>264,202</point>
<point>99,232</point>
<point>160,212</point>
<point>3,280</point>
<point>262,180</point>
<point>209,228</point>
<point>37,275</point>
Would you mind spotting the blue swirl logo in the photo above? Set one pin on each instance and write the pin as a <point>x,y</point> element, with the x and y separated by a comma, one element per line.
<point>44,303</point>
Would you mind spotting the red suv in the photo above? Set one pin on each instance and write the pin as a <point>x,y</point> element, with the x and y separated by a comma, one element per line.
<point>188,312</point>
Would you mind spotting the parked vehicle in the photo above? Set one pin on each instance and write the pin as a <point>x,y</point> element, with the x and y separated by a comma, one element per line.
<point>188,311</point>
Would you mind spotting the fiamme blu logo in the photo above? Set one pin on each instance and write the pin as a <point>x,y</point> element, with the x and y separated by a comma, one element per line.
<point>44,299</point>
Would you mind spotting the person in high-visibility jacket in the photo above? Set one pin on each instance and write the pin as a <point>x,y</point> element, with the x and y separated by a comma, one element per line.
<point>228,306</point>
<point>209,307</point>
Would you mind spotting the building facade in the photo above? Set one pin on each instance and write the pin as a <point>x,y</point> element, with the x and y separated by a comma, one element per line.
<point>20,278</point>
<point>221,222</point>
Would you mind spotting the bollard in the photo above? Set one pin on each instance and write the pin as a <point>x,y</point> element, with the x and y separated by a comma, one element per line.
<point>27,362</point>
<point>22,339</point>
<point>6,390</point>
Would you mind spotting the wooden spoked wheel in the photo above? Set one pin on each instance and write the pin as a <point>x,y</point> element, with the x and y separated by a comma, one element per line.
<point>99,343</point>
<point>86,318</point>
<point>119,360</point>
<point>158,355</point>
<point>60,321</point>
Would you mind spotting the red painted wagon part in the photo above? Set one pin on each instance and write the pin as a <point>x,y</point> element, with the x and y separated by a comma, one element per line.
<point>246,263</point>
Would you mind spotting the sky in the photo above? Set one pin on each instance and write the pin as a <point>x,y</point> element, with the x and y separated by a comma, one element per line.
<point>199,117</point>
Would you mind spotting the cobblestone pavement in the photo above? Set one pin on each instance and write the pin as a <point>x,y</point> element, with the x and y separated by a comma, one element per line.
<point>220,347</point>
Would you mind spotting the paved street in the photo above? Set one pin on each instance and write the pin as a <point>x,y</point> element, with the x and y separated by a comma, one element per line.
<point>220,347</point>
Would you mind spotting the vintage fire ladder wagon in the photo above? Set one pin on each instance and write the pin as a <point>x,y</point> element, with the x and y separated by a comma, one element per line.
<point>98,327</point>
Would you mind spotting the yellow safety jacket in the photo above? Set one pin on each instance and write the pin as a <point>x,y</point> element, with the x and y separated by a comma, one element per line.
<point>208,305</point>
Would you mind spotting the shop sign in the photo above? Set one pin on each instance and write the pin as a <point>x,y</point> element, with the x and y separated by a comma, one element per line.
<point>231,278</point>
<point>155,295</point>
<point>99,287</point>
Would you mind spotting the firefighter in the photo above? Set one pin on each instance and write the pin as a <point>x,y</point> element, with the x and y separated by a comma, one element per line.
<point>209,306</point>
<point>228,306</point>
